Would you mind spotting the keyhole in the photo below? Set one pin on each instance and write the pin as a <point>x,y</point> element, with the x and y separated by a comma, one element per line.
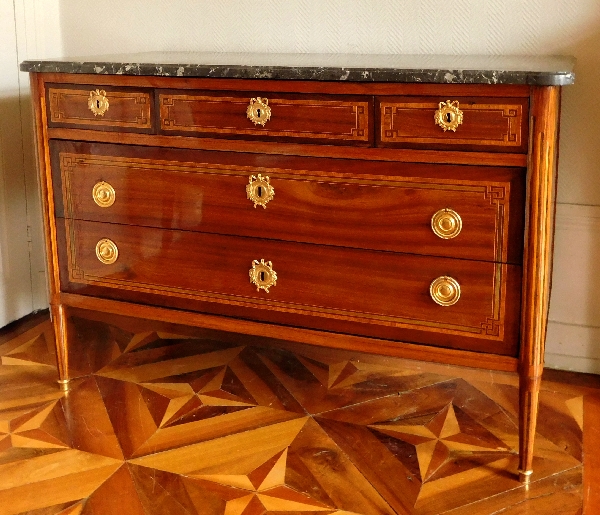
<point>258,113</point>
<point>259,192</point>
<point>449,117</point>
<point>98,103</point>
<point>262,277</point>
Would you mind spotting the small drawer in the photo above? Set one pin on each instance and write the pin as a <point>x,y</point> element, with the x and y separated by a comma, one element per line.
<point>318,119</point>
<point>463,123</point>
<point>378,291</point>
<point>465,212</point>
<point>100,107</point>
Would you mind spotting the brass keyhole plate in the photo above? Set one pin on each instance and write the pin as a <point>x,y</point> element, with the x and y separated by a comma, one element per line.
<point>259,190</point>
<point>97,102</point>
<point>262,275</point>
<point>258,111</point>
<point>448,116</point>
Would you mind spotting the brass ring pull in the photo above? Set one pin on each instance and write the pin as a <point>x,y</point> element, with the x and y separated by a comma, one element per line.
<point>97,102</point>
<point>446,224</point>
<point>262,275</point>
<point>259,190</point>
<point>258,111</point>
<point>107,251</point>
<point>448,116</point>
<point>445,291</point>
<point>103,194</point>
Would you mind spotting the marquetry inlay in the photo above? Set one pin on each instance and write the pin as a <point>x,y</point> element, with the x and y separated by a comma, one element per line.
<point>497,193</point>
<point>352,118</point>
<point>506,124</point>
<point>215,419</point>
<point>78,274</point>
<point>128,109</point>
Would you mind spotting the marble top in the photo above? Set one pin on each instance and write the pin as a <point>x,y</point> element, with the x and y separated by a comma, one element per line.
<point>445,69</point>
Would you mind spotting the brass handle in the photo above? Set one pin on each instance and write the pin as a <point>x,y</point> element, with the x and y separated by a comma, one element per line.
<point>448,116</point>
<point>446,224</point>
<point>97,102</point>
<point>107,251</point>
<point>258,111</point>
<point>259,190</point>
<point>445,291</point>
<point>262,275</point>
<point>103,194</point>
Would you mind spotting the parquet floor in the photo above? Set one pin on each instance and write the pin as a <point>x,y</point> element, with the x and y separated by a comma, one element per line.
<point>172,420</point>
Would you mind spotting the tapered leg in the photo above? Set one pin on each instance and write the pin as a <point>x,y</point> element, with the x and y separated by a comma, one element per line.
<point>528,401</point>
<point>537,264</point>
<point>59,323</point>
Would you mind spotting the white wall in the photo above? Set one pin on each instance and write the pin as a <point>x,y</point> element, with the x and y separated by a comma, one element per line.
<point>22,277</point>
<point>417,27</point>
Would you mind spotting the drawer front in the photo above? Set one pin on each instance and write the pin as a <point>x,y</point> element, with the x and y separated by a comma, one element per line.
<point>366,287</point>
<point>100,107</point>
<point>488,124</point>
<point>415,212</point>
<point>328,119</point>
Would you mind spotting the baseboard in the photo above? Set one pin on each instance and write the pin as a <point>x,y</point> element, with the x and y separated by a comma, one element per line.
<point>573,347</point>
<point>576,276</point>
<point>573,363</point>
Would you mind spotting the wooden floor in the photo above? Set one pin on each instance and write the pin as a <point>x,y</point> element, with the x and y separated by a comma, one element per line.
<point>171,420</point>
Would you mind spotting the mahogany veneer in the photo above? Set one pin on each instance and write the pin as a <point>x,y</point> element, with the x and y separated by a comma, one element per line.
<point>359,172</point>
<point>336,119</point>
<point>492,124</point>
<point>129,109</point>
<point>381,206</point>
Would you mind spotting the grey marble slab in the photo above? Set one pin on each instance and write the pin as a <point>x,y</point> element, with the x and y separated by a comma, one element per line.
<point>444,69</point>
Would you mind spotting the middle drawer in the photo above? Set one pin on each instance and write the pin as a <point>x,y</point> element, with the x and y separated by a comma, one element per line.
<point>440,210</point>
<point>330,119</point>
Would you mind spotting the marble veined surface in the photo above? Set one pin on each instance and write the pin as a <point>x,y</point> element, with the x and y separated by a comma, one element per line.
<point>443,69</point>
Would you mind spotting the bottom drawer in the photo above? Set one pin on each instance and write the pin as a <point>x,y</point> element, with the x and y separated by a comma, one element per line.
<point>371,293</point>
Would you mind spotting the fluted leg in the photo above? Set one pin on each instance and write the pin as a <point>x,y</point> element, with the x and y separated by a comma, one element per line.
<point>537,264</point>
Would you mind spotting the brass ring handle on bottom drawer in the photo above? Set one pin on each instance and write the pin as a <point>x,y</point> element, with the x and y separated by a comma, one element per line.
<point>262,275</point>
<point>446,224</point>
<point>445,291</point>
<point>107,251</point>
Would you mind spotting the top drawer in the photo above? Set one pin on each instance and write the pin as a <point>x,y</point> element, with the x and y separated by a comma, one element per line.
<point>100,107</point>
<point>311,118</point>
<point>465,123</point>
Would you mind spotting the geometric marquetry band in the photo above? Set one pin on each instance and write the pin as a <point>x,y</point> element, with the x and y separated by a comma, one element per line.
<point>498,195</point>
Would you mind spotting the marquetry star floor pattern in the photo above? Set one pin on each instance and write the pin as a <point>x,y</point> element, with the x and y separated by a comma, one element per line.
<point>181,423</point>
